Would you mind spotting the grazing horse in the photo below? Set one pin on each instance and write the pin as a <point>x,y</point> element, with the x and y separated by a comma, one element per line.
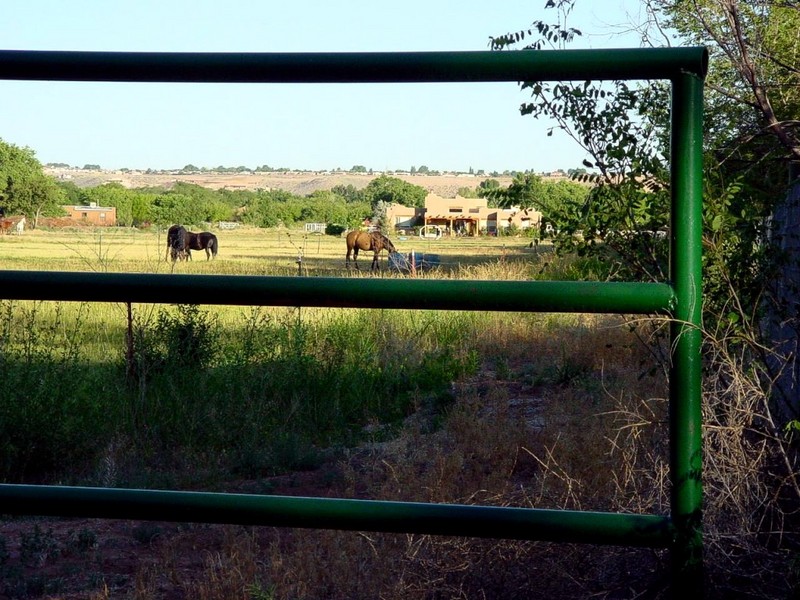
<point>204,240</point>
<point>15,224</point>
<point>177,239</point>
<point>361,240</point>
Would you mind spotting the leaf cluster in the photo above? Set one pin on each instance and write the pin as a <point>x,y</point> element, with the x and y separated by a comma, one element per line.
<point>547,34</point>
<point>624,221</point>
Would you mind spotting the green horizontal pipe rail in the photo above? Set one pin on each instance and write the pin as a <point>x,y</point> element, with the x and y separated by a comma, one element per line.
<point>352,67</point>
<point>339,292</point>
<point>344,514</point>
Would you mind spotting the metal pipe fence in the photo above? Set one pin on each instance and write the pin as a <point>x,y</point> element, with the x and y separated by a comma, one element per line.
<point>680,298</point>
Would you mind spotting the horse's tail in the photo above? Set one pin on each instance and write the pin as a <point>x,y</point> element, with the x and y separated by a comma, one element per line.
<point>213,245</point>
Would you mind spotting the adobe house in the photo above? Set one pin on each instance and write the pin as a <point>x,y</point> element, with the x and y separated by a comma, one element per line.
<point>468,216</point>
<point>92,214</point>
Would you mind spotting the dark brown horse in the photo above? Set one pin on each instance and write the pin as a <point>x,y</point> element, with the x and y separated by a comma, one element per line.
<point>176,243</point>
<point>361,240</point>
<point>204,240</point>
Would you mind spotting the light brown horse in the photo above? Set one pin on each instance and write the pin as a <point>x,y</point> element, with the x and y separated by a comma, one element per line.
<point>361,240</point>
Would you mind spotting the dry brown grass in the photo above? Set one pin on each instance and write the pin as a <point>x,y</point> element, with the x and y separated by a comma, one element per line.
<point>302,183</point>
<point>519,434</point>
<point>596,440</point>
<point>565,413</point>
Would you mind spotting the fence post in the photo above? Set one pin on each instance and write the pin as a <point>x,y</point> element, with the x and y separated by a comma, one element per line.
<point>685,376</point>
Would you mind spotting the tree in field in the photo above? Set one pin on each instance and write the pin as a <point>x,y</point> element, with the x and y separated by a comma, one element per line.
<point>70,193</point>
<point>622,127</point>
<point>487,185</point>
<point>525,191</point>
<point>558,201</point>
<point>169,208</point>
<point>348,192</point>
<point>24,188</point>
<point>467,192</point>
<point>112,194</point>
<point>391,189</point>
<point>754,72</point>
<point>753,94</point>
<point>325,207</point>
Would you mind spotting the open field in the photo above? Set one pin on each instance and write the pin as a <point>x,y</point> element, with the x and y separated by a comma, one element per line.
<point>497,409</point>
<point>244,251</point>
<point>474,408</point>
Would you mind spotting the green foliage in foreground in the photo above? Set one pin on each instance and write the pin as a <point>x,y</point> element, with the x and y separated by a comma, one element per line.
<point>193,401</point>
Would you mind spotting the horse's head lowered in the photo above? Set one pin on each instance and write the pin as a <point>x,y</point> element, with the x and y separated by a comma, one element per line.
<point>384,242</point>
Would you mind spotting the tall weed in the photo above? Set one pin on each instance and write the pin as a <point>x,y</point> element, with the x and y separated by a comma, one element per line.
<point>53,401</point>
<point>263,397</point>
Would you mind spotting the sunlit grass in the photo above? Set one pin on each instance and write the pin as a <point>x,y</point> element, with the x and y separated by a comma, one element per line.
<point>411,405</point>
<point>330,370</point>
<point>245,251</point>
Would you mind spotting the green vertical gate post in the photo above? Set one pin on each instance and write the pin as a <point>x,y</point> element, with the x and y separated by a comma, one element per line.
<point>685,377</point>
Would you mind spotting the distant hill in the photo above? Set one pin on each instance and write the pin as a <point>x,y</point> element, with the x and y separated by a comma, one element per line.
<point>299,183</point>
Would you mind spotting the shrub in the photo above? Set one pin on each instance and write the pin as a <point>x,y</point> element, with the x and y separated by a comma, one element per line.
<point>334,230</point>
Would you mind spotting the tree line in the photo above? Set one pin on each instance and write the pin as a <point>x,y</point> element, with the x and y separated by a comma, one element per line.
<point>25,189</point>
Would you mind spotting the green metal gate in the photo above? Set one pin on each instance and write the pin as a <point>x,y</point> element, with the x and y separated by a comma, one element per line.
<point>679,298</point>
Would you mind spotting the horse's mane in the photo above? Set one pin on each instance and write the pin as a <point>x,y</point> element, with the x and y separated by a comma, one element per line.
<point>385,241</point>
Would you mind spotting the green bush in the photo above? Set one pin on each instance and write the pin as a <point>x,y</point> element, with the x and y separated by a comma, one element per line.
<point>335,230</point>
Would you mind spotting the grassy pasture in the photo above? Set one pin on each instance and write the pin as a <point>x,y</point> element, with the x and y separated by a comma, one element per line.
<point>406,358</point>
<point>242,251</point>
<point>505,409</point>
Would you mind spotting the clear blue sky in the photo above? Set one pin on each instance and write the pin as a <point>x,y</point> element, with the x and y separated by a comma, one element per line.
<point>385,126</point>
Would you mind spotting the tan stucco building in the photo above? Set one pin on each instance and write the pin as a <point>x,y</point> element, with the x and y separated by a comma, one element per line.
<point>93,214</point>
<point>466,216</point>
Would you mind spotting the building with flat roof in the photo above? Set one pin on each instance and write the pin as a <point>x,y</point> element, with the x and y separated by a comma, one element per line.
<point>93,214</point>
<point>460,216</point>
